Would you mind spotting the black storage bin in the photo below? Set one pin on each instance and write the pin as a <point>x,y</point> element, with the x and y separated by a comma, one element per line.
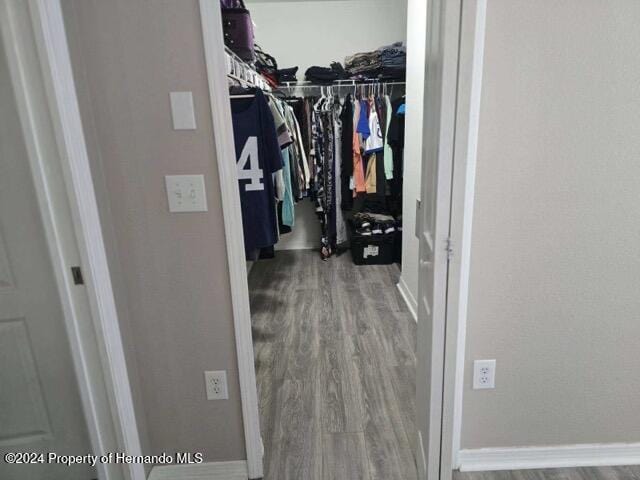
<point>397,247</point>
<point>372,249</point>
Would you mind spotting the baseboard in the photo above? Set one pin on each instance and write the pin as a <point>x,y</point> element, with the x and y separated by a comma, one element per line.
<point>408,298</point>
<point>297,246</point>
<point>560,456</point>
<point>421,460</point>
<point>203,471</point>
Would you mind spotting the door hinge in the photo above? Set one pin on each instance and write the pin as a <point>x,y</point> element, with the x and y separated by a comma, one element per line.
<point>449,248</point>
<point>76,273</point>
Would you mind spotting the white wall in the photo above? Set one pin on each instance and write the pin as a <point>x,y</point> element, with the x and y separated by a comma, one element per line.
<point>416,44</point>
<point>555,273</point>
<point>318,32</point>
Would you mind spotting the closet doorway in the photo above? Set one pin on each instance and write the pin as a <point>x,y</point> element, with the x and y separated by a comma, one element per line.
<point>333,337</point>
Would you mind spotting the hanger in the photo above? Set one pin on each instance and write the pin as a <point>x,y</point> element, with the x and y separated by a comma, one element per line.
<point>247,90</point>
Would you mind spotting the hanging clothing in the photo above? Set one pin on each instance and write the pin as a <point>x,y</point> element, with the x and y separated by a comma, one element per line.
<point>359,185</point>
<point>371,176</point>
<point>284,135</point>
<point>343,156</point>
<point>373,142</point>
<point>346,143</point>
<point>341,226</point>
<point>396,142</point>
<point>258,158</point>
<point>388,154</point>
<point>287,215</point>
<point>363,120</point>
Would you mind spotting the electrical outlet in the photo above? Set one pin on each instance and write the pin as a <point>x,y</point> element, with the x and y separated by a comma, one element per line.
<point>484,374</point>
<point>216,385</point>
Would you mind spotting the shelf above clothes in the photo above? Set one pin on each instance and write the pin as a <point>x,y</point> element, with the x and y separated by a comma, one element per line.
<point>244,73</point>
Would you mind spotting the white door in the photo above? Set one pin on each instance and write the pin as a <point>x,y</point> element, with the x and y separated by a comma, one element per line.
<point>433,228</point>
<point>40,409</point>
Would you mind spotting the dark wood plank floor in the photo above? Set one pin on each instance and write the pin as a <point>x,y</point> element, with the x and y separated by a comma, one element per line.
<point>335,363</point>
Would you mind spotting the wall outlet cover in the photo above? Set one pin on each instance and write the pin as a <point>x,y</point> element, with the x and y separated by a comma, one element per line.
<point>216,385</point>
<point>484,374</point>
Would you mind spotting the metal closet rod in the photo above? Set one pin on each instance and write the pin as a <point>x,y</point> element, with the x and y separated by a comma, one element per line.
<point>338,83</point>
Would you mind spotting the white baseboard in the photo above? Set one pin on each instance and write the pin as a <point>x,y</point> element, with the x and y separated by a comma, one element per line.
<point>409,299</point>
<point>203,471</point>
<point>297,246</point>
<point>560,456</point>
<point>421,460</point>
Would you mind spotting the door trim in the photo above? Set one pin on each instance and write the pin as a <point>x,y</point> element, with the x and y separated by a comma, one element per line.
<point>232,214</point>
<point>36,46</point>
<point>468,96</point>
<point>235,470</point>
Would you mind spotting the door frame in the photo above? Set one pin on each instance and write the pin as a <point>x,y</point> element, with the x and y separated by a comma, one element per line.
<point>39,63</point>
<point>463,133</point>
<point>216,64</point>
<point>467,98</point>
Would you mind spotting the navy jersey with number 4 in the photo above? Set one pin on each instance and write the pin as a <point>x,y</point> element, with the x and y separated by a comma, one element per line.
<point>258,156</point>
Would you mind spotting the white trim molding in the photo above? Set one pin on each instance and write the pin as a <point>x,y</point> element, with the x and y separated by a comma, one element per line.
<point>408,297</point>
<point>203,471</point>
<point>232,214</point>
<point>472,34</point>
<point>41,73</point>
<point>560,456</point>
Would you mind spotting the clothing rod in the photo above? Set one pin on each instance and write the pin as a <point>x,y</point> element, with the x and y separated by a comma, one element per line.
<point>341,85</point>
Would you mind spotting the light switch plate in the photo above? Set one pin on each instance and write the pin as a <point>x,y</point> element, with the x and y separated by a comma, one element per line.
<point>182,111</point>
<point>186,193</point>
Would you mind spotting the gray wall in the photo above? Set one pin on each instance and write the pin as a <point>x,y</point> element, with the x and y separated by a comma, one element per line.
<point>555,274</point>
<point>170,270</point>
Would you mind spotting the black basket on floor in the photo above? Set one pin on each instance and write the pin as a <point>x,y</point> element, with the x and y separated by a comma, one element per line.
<point>397,247</point>
<point>372,249</point>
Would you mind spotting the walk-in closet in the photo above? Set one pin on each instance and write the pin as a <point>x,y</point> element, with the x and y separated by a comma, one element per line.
<point>318,95</point>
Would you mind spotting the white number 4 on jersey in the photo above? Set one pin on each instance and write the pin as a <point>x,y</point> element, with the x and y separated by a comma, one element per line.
<point>254,173</point>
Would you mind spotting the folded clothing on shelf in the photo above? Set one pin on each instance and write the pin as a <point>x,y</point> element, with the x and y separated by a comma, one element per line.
<point>386,63</point>
<point>325,74</point>
<point>363,62</point>
<point>393,55</point>
<point>287,74</point>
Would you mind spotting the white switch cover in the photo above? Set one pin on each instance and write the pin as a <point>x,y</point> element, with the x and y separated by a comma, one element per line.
<point>182,111</point>
<point>186,193</point>
<point>484,374</point>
